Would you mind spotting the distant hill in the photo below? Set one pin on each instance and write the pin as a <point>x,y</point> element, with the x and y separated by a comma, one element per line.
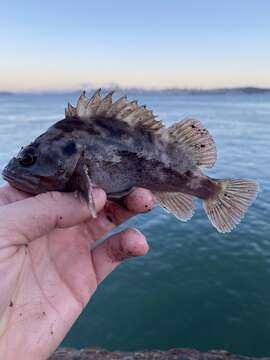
<point>5,93</point>
<point>254,90</point>
<point>239,90</point>
<point>244,90</point>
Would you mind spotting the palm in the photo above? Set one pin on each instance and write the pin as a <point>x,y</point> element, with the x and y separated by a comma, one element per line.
<point>58,270</point>
<point>49,281</point>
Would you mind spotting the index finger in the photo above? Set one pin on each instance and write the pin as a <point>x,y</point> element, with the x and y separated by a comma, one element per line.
<point>29,219</point>
<point>9,194</point>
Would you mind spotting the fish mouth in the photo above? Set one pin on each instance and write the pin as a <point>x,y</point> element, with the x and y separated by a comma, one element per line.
<point>22,182</point>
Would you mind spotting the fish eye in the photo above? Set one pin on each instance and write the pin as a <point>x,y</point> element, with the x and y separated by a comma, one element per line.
<point>27,159</point>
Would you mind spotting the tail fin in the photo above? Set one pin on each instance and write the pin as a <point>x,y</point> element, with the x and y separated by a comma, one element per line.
<point>231,203</point>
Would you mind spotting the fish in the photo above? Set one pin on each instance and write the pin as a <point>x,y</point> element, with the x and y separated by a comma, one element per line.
<point>121,145</point>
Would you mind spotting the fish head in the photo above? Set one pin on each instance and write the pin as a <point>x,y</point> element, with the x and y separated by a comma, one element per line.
<point>47,164</point>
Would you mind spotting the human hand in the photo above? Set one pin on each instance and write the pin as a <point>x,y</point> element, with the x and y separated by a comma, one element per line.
<point>48,267</point>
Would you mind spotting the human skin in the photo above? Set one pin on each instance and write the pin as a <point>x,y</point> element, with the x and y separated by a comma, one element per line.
<point>49,268</point>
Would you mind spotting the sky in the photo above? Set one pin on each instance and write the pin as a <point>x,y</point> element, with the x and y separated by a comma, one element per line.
<point>64,44</point>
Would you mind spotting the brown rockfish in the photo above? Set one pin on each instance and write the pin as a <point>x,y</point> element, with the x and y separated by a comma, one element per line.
<point>118,146</point>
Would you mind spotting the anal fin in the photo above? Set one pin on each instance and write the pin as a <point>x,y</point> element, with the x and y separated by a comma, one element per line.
<point>177,203</point>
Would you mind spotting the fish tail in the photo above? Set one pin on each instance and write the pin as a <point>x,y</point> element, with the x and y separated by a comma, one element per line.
<point>231,202</point>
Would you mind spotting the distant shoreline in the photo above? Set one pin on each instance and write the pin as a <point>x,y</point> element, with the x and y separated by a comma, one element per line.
<point>6,93</point>
<point>218,91</point>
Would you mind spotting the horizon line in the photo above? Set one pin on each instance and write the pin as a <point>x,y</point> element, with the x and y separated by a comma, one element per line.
<point>138,88</point>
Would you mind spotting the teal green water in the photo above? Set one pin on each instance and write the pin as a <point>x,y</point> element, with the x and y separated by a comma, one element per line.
<point>195,288</point>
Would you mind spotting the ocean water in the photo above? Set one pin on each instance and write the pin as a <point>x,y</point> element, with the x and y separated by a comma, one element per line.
<point>196,287</point>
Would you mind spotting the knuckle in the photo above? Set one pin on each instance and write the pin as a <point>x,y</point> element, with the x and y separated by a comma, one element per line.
<point>132,233</point>
<point>53,196</point>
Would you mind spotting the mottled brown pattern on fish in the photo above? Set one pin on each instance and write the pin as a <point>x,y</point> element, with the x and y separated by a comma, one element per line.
<point>119,146</point>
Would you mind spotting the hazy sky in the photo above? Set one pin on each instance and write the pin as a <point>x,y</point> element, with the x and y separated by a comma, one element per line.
<point>181,43</point>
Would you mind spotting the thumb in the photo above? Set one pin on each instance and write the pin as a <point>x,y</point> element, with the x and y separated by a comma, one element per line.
<point>28,219</point>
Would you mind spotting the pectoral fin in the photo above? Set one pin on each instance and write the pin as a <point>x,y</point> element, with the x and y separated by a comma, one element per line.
<point>84,186</point>
<point>87,187</point>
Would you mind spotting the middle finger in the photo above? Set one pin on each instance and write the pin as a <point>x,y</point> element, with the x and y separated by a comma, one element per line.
<point>113,214</point>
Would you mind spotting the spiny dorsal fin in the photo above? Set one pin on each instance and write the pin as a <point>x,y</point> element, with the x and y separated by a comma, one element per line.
<point>195,139</point>
<point>94,102</point>
<point>105,104</point>
<point>70,111</point>
<point>179,204</point>
<point>123,110</point>
<point>117,106</point>
<point>81,108</point>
